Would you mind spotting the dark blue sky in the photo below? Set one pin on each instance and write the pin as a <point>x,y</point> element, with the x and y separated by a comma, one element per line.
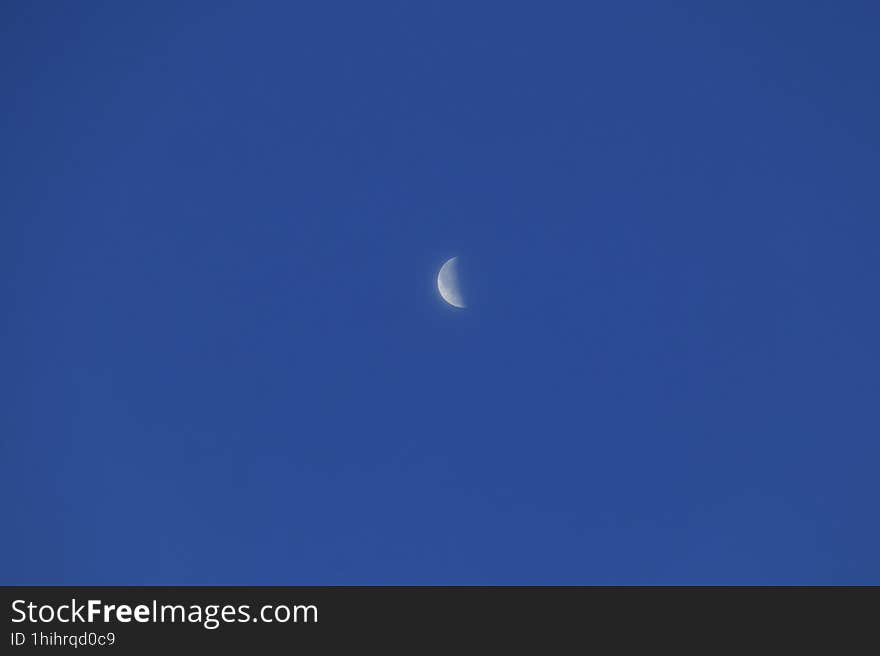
<point>224,359</point>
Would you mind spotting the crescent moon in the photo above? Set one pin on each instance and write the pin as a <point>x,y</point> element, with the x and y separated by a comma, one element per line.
<point>447,283</point>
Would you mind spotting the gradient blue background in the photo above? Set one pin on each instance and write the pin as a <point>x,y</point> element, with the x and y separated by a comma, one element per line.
<point>223,356</point>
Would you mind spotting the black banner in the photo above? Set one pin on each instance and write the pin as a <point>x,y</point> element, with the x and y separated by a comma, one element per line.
<point>154,619</point>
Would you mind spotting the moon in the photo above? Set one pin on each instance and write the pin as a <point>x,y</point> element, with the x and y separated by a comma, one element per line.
<point>447,283</point>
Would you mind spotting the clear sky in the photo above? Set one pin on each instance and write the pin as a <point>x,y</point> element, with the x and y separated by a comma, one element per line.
<point>223,357</point>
